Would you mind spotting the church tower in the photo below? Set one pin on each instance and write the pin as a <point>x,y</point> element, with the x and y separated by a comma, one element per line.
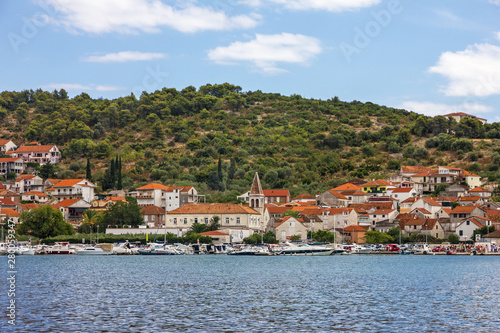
<point>256,197</point>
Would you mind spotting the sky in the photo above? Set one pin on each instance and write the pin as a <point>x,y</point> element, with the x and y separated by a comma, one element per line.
<point>429,56</point>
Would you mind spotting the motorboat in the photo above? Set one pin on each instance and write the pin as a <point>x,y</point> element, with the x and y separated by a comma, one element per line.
<point>123,248</point>
<point>250,250</point>
<point>25,250</point>
<point>305,249</point>
<point>157,249</point>
<point>98,249</point>
<point>360,249</point>
<point>60,248</point>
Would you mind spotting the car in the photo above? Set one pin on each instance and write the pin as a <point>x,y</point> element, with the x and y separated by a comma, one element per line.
<point>392,247</point>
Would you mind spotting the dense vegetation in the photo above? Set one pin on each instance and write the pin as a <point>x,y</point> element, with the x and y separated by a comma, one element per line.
<point>216,137</point>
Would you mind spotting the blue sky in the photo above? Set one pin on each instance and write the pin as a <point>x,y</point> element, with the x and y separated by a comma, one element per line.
<point>429,56</point>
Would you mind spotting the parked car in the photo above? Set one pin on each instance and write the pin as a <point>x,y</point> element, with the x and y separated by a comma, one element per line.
<point>392,247</point>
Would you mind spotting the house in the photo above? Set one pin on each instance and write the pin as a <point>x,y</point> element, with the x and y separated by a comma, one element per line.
<point>304,198</point>
<point>26,183</point>
<point>72,189</point>
<point>338,218</point>
<point>414,226</point>
<point>355,234</point>
<point>385,226</point>
<point>421,213</point>
<point>444,213</point>
<point>466,228</point>
<point>6,145</point>
<point>454,190</point>
<point>10,214</point>
<point>35,196</point>
<point>279,196</point>
<point>434,228</point>
<point>38,154</point>
<point>376,187</point>
<point>457,116</point>
<point>230,215</point>
<point>290,226</point>
<point>428,204</point>
<point>27,207</point>
<point>471,179</point>
<point>480,191</point>
<point>102,204</point>
<point>462,212</point>
<point>166,197</point>
<point>405,205</point>
<point>72,209</point>
<point>332,198</point>
<point>471,201</point>
<point>403,193</point>
<point>382,215</point>
<point>10,196</point>
<point>218,237</point>
<point>11,164</point>
<point>154,216</point>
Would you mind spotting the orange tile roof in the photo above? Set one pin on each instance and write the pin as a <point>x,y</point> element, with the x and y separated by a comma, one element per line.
<point>383,211</point>
<point>9,212</point>
<point>480,189</point>
<point>68,182</point>
<point>114,199</point>
<point>4,142</point>
<point>413,169</point>
<point>277,209</point>
<point>29,206</point>
<point>304,196</point>
<point>355,228</point>
<point>7,202</point>
<point>378,182</point>
<point>347,187</point>
<point>463,209</point>
<point>307,203</point>
<point>423,210</point>
<point>37,193</point>
<point>53,181</point>
<point>66,203</point>
<point>213,208</point>
<point>23,177</point>
<point>276,193</point>
<point>415,222</point>
<point>467,173</point>
<point>479,221</point>
<point>470,198</point>
<point>153,186</point>
<point>431,201</point>
<point>10,159</point>
<point>214,233</point>
<point>402,190</point>
<point>29,149</point>
<point>152,209</point>
<point>338,195</point>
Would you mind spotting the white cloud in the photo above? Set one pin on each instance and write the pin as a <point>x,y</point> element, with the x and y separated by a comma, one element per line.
<point>329,5</point>
<point>495,2</point>
<point>80,87</point>
<point>124,57</point>
<point>265,51</point>
<point>436,109</point>
<point>497,34</point>
<point>473,72</point>
<point>134,16</point>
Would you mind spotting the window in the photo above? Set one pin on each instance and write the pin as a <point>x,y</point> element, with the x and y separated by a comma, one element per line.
<point>468,222</point>
<point>175,220</point>
<point>206,220</point>
<point>185,220</point>
<point>195,220</point>
<point>237,220</point>
<point>460,232</point>
<point>227,220</point>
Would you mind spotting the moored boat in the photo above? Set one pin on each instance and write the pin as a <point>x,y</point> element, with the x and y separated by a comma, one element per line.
<point>306,250</point>
<point>59,248</point>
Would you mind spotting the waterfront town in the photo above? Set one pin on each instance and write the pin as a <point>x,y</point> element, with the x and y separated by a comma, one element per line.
<point>350,210</point>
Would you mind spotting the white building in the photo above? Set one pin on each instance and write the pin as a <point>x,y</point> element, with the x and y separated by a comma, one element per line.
<point>72,189</point>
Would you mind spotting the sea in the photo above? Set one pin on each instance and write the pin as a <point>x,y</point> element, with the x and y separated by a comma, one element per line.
<point>220,293</point>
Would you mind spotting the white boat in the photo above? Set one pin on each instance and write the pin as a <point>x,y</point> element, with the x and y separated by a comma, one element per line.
<point>290,249</point>
<point>123,248</point>
<point>60,248</point>
<point>25,250</point>
<point>94,250</point>
<point>158,249</point>
<point>360,249</point>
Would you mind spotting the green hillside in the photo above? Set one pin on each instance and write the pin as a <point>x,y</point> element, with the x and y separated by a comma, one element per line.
<point>305,145</point>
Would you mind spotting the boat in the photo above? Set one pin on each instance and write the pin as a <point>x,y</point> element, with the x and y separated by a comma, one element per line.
<point>25,250</point>
<point>124,248</point>
<point>98,249</point>
<point>306,249</point>
<point>59,248</point>
<point>157,249</point>
<point>360,249</point>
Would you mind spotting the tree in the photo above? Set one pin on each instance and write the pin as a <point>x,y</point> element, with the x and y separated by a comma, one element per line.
<point>323,236</point>
<point>232,169</point>
<point>197,228</point>
<point>214,223</point>
<point>88,174</point>
<point>482,231</point>
<point>123,214</point>
<point>91,219</point>
<point>377,237</point>
<point>47,171</point>
<point>44,221</point>
<point>119,180</point>
<point>454,239</point>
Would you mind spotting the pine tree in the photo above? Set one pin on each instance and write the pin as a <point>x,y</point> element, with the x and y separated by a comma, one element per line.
<point>89,172</point>
<point>112,174</point>
<point>232,170</point>
<point>219,175</point>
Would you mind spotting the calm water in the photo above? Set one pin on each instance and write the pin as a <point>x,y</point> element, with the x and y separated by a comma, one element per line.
<point>245,294</point>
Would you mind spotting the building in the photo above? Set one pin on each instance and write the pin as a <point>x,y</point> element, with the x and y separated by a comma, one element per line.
<point>460,213</point>
<point>466,228</point>
<point>376,187</point>
<point>332,198</point>
<point>35,196</point>
<point>27,183</point>
<point>276,196</point>
<point>403,193</point>
<point>428,204</point>
<point>6,145</point>
<point>73,189</point>
<point>166,197</point>
<point>230,215</point>
<point>11,164</point>
<point>457,116</point>
<point>38,154</point>
<point>10,214</point>
<point>481,191</point>
<point>290,226</point>
<point>72,209</point>
<point>154,216</point>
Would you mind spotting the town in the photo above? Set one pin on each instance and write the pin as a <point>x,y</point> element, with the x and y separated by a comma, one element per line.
<point>426,204</point>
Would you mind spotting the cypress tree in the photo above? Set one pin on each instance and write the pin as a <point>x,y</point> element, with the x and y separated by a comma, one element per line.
<point>112,174</point>
<point>232,169</point>
<point>119,185</point>
<point>89,171</point>
<point>219,174</point>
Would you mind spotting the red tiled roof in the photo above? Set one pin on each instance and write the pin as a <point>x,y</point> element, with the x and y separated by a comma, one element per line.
<point>415,222</point>
<point>402,190</point>
<point>423,210</point>
<point>9,212</point>
<point>37,193</point>
<point>66,203</point>
<point>152,209</point>
<point>68,182</point>
<point>463,209</point>
<point>413,169</point>
<point>29,149</point>
<point>277,209</point>
<point>347,187</point>
<point>213,208</point>
<point>378,182</point>
<point>10,159</point>
<point>153,186</point>
<point>304,196</point>
<point>480,189</point>
<point>23,177</point>
<point>382,211</point>
<point>214,233</point>
<point>355,228</point>
<point>431,201</point>
<point>29,206</point>
<point>276,193</point>
<point>470,198</point>
<point>338,195</point>
<point>4,142</point>
<point>7,202</point>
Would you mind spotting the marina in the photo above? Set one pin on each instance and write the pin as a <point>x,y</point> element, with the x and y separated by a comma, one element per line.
<point>205,293</point>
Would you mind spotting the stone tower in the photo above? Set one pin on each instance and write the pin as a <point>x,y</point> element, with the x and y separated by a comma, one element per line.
<point>256,197</point>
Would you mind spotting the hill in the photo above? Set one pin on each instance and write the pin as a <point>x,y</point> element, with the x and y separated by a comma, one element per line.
<point>179,137</point>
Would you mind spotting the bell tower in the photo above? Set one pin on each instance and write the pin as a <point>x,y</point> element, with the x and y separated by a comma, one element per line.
<point>256,196</point>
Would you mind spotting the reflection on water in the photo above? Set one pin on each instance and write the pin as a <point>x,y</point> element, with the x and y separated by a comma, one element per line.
<point>243,294</point>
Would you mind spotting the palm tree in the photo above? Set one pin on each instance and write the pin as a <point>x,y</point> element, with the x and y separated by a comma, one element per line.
<point>91,218</point>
